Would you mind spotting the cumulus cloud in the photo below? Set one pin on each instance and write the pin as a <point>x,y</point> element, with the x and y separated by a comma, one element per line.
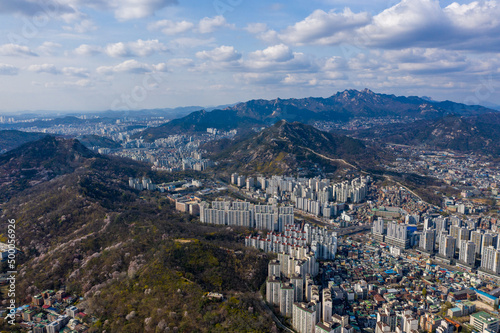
<point>76,71</point>
<point>210,24</point>
<point>133,9</point>
<point>414,23</point>
<point>169,27</point>
<point>409,23</point>
<point>140,48</point>
<point>52,69</point>
<point>278,58</point>
<point>16,50</point>
<point>88,50</point>
<point>181,62</point>
<point>132,66</point>
<point>420,55</point>
<point>44,68</point>
<point>220,54</point>
<point>6,69</point>
<point>334,64</point>
<point>427,61</point>
<point>324,28</point>
<point>306,79</point>
<point>277,53</point>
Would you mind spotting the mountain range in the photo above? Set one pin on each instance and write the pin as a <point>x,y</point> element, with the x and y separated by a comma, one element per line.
<point>286,148</point>
<point>340,107</point>
<point>454,132</point>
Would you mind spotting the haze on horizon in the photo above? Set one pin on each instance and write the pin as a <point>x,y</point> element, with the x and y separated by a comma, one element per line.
<point>75,56</point>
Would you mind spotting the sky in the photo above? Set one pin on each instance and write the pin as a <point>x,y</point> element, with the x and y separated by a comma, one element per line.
<point>90,55</point>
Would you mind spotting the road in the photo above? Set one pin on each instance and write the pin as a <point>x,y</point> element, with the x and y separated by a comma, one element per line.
<point>276,320</point>
<point>333,159</point>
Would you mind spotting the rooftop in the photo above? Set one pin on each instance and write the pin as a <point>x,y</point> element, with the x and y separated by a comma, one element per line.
<point>484,316</point>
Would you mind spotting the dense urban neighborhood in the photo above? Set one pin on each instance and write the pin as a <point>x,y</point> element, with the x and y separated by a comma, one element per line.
<point>402,238</point>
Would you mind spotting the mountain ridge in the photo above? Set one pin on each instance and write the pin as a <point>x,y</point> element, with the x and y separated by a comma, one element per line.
<point>10,139</point>
<point>453,132</point>
<point>341,106</point>
<point>289,146</point>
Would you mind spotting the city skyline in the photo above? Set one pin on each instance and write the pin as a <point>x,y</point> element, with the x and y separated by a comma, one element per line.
<point>74,56</point>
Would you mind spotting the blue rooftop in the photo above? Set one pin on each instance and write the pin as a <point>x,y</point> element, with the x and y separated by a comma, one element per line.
<point>480,292</point>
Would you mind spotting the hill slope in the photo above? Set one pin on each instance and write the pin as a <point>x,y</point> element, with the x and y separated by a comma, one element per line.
<point>140,265</point>
<point>10,139</point>
<point>286,148</point>
<point>198,122</point>
<point>97,141</point>
<point>342,106</point>
<point>476,133</point>
<point>39,161</point>
<point>50,157</point>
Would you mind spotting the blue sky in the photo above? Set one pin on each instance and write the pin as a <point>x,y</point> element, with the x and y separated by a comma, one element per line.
<point>134,54</point>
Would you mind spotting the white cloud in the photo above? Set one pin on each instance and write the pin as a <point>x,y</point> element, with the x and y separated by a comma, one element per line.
<point>88,50</point>
<point>85,25</point>
<point>181,62</point>
<point>478,15</point>
<point>6,69</point>
<point>258,78</point>
<point>210,24</point>
<point>278,53</point>
<point>16,50</point>
<point>44,68</point>
<point>278,58</point>
<point>161,67</point>
<point>415,23</point>
<point>410,23</point>
<point>117,50</point>
<point>407,22</point>
<point>310,79</point>
<point>220,54</point>
<point>83,83</point>
<point>75,71</point>
<point>132,66</point>
<point>427,61</point>
<point>140,48</point>
<point>49,48</point>
<point>441,66</point>
<point>169,27</point>
<point>122,9</point>
<point>324,28</point>
<point>134,9</point>
<point>334,64</point>
<point>421,55</point>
